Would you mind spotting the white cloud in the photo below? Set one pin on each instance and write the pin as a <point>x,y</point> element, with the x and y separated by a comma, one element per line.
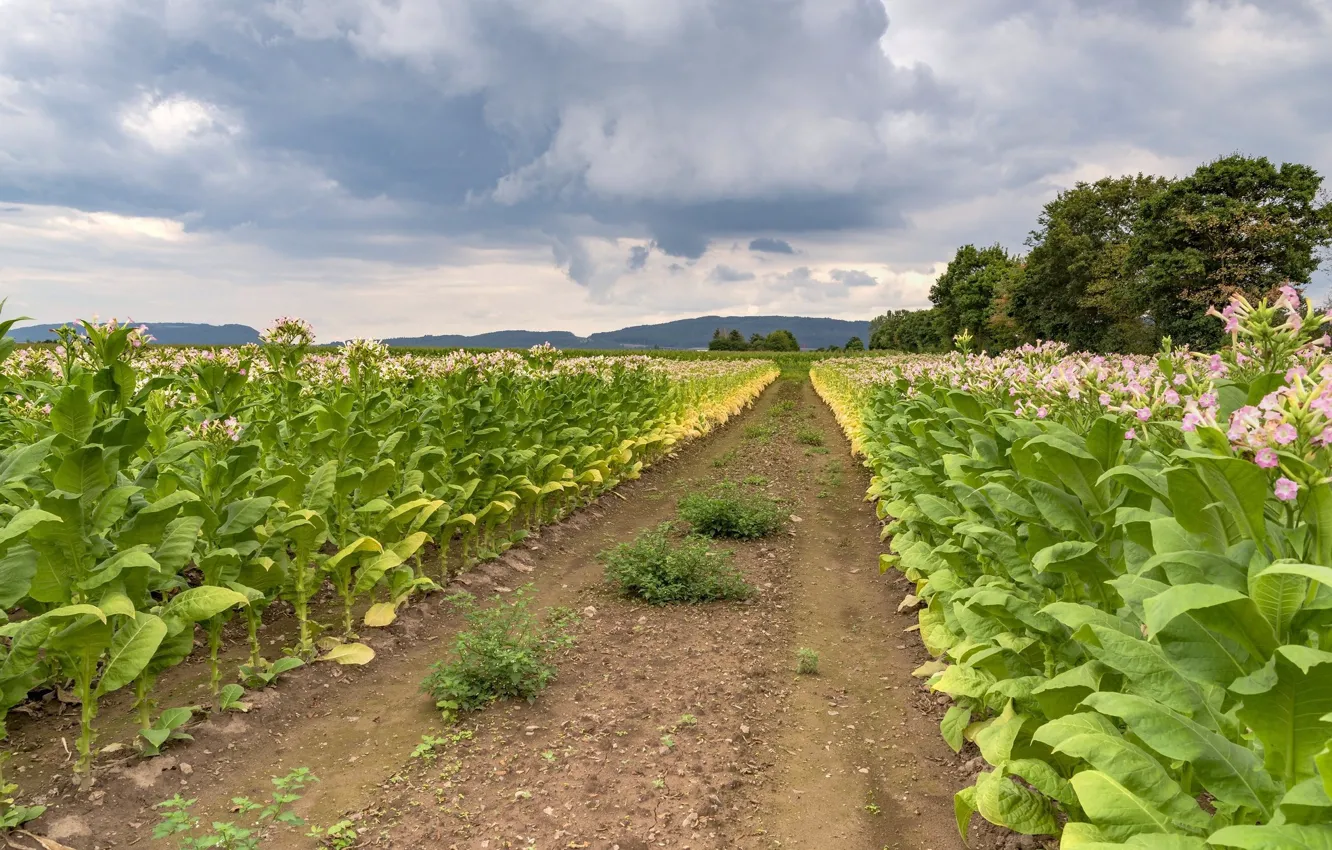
<point>170,124</point>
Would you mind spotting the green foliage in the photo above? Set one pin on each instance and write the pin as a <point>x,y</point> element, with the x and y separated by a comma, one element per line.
<point>505,652</point>
<point>1126,627</point>
<point>728,510</point>
<point>1076,288</point>
<point>659,571</point>
<point>911,331</point>
<point>166,728</point>
<point>733,340</point>
<point>1236,225</point>
<point>968,293</point>
<point>809,437</point>
<point>855,343</point>
<point>189,833</point>
<point>807,662</point>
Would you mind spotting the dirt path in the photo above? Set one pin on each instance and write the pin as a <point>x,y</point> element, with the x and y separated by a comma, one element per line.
<point>675,727</point>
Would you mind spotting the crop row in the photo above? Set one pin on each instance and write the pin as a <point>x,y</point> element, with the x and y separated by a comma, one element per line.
<point>145,492</point>
<point>1123,566</point>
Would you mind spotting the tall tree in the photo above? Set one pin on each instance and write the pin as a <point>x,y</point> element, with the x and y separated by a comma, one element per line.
<point>964,295</point>
<point>1236,225</point>
<point>1075,287</point>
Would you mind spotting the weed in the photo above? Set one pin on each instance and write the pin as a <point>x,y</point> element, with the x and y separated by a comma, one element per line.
<point>756,481</point>
<point>656,570</point>
<point>817,450</point>
<point>668,742</point>
<point>782,408</point>
<point>176,817</point>
<point>688,720</point>
<point>809,437</point>
<point>807,662</point>
<point>504,652</point>
<point>340,836</point>
<point>873,808</point>
<point>762,433</point>
<point>728,511</point>
<point>659,783</point>
<point>166,728</point>
<point>549,755</point>
<point>724,459</point>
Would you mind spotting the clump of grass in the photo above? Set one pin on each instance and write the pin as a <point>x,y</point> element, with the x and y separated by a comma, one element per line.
<point>757,481</point>
<point>807,661</point>
<point>762,433</point>
<point>817,450</point>
<point>724,459</point>
<point>809,437</point>
<point>659,571</point>
<point>728,511</point>
<point>782,408</point>
<point>504,652</point>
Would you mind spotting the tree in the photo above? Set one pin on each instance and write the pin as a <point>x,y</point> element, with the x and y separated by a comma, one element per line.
<point>1236,225</point>
<point>781,340</point>
<point>1075,287</point>
<point>727,341</point>
<point>907,330</point>
<point>855,343</point>
<point>965,293</point>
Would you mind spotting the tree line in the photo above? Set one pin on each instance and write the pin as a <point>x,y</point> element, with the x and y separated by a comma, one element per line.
<point>724,339</point>
<point>1115,265</point>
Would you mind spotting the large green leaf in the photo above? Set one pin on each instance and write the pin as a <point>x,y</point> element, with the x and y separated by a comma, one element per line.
<point>1288,837</point>
<point>1218,611</point>
<point>1285,706</point>
<point>1002,801</point>
<point>132,647</point>
<point>83,472</point>
<point>1229,771</point>
<point>202,603</point>
<point>1115,809</point>
<point>73,415</point>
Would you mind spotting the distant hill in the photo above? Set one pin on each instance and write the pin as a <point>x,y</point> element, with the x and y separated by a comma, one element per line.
<point>165,333</point>
<point>680,334</point>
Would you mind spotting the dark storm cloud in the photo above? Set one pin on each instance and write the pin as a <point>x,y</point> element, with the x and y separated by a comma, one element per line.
<point>768,245</point>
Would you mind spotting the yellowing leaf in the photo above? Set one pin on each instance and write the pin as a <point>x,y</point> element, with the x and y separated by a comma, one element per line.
<point>349,653</point>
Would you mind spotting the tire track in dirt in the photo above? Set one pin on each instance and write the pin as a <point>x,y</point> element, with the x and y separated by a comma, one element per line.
<point>863,767</point>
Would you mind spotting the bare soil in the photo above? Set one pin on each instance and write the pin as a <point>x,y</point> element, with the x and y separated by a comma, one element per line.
<point>679,726</point>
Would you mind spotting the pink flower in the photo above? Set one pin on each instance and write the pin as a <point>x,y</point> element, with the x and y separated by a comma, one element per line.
<point>1323,439</point>
<point>1041,413</point>
<point>1171,397</point>
<point>1191,421</point>
<point>1266,458</point>
<point>1285,434</point>
<point>1131,434</point>
<point>1286,489</point>
<point>1144,414</point>
<point>1180,380</point>
<point>1288,298</point>
<point>1105,399</point>
<point>1207,400</point>
<point>1296,372</point>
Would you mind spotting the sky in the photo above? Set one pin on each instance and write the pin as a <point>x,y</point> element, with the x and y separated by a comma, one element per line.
<point>403,167</point>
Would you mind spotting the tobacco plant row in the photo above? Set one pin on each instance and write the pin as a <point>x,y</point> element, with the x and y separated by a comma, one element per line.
<point>1124,569</point>
<point>146,492</point>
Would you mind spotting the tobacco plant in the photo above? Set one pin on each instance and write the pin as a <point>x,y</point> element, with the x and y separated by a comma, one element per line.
<point>1125,568</point>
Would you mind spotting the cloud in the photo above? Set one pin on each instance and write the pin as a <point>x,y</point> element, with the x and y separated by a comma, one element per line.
<point>638,257</point>
<point>336,148</point>
<point>726,274</point>
<point>769,245</point>
<point>853,277</point>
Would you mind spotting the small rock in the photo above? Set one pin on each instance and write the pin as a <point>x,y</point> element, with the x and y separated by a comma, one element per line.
<point>689,820</point>
<point>186,769</point>
<point>589,612</point>
<point>744,730</point>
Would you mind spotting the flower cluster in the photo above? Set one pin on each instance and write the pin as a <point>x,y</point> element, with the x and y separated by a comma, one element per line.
<point>289,332</point>
<point>217,432</point>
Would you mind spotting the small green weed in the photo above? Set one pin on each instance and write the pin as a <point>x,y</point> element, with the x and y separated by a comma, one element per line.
<point>504,652</point>
<point>809,437</point>
<point>177,820</point>
<point>807,662</point>
<point>425,751</point>
<point>728,511</point>
<point>724,459</point>
<point>688,720</point>
<point>757,481</point>
<point>762,433</point>
<point>340,836</point>
<point>653,568</point>
<point>817,450</point>
<point>782,408</point>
